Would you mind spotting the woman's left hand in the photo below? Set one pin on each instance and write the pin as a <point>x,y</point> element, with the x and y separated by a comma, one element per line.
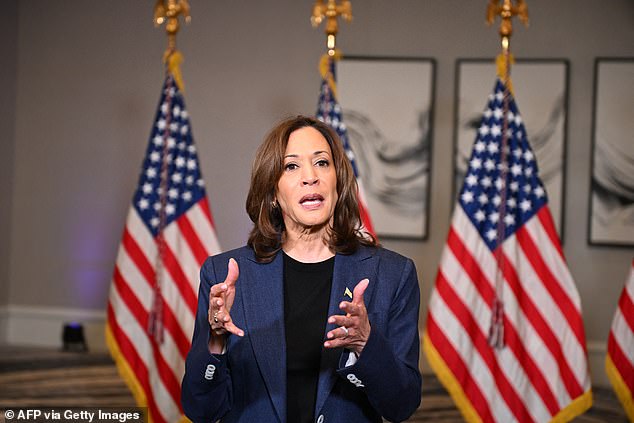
<point>354,328</point>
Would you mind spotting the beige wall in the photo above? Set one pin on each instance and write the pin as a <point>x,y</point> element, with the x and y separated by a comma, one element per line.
<point>89,76</point>
<point>8,33</point>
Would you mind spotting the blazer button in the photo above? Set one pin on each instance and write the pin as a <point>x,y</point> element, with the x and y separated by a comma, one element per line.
<point>355,380</point>
<point>320,419</point>
<point>209,372</point>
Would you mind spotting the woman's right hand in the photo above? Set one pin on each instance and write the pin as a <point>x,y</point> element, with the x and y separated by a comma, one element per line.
<point>221,298</point>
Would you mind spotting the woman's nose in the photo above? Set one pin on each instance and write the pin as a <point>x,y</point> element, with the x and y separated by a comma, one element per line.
<point>309,177</point>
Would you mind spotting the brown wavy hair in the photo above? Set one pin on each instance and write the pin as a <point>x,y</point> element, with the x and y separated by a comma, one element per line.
<point>266,236</point>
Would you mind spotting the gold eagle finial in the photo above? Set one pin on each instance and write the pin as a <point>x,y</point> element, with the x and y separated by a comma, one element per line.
<point>331,11</point>
<point>506,11</point>
<point>168,11</point>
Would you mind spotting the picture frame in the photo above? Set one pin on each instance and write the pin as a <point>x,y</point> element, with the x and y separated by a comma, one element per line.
<point>387,105</point>
<point>611,202</point>
<point>540,88</point>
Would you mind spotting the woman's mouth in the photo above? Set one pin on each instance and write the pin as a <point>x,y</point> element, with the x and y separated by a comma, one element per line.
<point>311,200</point>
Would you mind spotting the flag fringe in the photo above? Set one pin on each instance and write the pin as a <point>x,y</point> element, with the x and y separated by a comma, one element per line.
<point>450,383</point>
<point>125,371</point>
<point>622,391</point>
<point>129,376</point>
<point>577,407</point>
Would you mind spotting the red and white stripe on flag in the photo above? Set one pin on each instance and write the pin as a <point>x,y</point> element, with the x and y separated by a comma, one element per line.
<point>366,220</point>
<point>169,232</point>
<point>619,363</point>
<point>541,374</point>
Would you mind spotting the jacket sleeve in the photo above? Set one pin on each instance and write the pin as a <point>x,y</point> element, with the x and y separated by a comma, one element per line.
<point>206,392</point>
<point>387,369</point>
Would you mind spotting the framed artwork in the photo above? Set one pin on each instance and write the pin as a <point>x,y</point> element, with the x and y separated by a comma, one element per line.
<point>540,89</point>
<point>387,105</point>
<point>611,218</point>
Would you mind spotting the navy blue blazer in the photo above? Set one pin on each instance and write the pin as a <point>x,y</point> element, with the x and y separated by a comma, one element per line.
<point>248,383</point>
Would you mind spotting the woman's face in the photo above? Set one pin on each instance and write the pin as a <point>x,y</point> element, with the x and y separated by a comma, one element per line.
<point>307,189</point>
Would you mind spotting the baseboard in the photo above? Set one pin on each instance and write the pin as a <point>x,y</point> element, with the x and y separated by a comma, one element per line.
<point>42,326</point>
<point>3,324</point>
<point>597,351</point>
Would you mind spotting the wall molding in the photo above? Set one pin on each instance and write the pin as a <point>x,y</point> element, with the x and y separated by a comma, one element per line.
<point>36,326</point>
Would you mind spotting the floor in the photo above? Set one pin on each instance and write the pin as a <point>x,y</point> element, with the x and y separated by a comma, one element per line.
<point>31,377</point>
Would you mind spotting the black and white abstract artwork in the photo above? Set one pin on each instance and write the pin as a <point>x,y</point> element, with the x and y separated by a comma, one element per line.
<point>387,108</point>
<point>540,91</point>
<point>612,193</point>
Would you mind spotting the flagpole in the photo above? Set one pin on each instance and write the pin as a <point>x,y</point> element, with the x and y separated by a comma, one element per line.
<point>168,13</point>
<point>506,11</point>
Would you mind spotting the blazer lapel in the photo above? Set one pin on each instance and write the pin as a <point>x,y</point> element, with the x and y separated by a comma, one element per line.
<point>349,270</point>
<point>262,289</point>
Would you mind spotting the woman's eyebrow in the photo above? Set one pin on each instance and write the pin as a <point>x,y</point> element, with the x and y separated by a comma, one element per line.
<point>316,153</point>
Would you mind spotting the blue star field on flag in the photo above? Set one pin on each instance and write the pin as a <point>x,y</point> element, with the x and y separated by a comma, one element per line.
<point>487,176</point>
<point>329,112</point>
<point>170,141</point>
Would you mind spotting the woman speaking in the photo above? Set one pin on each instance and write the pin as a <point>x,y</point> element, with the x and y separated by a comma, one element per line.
<point>311,321</point>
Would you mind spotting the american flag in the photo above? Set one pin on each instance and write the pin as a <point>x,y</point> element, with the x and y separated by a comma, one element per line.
<point>329,112</point>
<point>504,330</point>
<point>168,234</point>
<point>619,362</point>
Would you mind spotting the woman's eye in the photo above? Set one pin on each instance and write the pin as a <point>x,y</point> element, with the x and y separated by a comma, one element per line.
<point>290,166</point>
<point>322,163</point>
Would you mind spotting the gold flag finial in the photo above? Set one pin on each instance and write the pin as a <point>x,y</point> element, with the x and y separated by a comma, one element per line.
<point>168,11</point>
<point>506,11</point>
<point>331,11</point>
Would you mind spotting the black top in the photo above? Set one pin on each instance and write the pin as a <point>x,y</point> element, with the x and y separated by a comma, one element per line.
<point>306,297</point>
